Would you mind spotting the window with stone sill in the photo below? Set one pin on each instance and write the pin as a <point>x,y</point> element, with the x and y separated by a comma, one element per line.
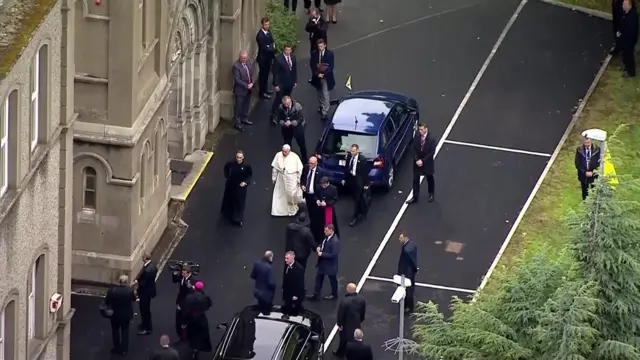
<point>35,311</point>
<point>4,146</point>
<point>90,189</point>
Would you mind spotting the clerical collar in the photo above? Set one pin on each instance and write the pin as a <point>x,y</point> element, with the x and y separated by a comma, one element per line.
<point>147,262</point>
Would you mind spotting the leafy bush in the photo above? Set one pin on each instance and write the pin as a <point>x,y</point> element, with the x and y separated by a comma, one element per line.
<point>284,25</point>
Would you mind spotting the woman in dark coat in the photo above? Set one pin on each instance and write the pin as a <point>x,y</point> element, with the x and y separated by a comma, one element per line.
<point>197,303</point>
<point>238,177</point>
<point>331,11</point>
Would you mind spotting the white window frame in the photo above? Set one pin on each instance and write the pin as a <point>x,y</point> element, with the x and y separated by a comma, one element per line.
<point>2,330</point>
<point>4,147</point>
<point>35,101</point>
<point>183,85</point>
<point>31,313</point>
<point>85,175</point>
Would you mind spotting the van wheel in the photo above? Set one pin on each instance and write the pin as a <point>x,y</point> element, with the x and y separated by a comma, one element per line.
<point>390,179</point>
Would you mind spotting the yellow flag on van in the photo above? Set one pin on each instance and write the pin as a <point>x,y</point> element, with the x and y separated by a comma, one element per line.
<point>348,84</point>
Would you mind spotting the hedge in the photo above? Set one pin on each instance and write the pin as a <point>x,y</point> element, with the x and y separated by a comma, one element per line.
<point>284,25</point>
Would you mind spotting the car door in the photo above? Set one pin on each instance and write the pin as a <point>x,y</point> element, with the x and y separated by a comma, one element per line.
<point>405,128</point>
<point>389,141</point>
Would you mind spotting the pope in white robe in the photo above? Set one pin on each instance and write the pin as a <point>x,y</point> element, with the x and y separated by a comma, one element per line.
<point>285,175</point>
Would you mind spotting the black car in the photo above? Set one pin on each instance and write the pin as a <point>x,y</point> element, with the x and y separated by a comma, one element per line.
<point>277,336</point>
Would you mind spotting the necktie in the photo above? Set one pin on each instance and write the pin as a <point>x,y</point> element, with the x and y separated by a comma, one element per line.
<point>309,179</point>
<point>351,163</point>
<point>421,143</point>
<point>323,242</point>
<point>289,62</point>
<point>246,69</point>
<point>288,268</point>
<point>588,154</point>
<point>320,58</point>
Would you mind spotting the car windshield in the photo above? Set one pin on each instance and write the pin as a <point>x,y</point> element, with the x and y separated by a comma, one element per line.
<point>255,338</point>
<point>338,142</point>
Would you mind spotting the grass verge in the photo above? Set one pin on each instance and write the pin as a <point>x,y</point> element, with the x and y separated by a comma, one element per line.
<point>613,103</point>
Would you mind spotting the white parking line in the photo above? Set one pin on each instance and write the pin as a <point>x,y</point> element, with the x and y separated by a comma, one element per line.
<point>430,286</point>
<point>497,148</point>
<point>446,133</point>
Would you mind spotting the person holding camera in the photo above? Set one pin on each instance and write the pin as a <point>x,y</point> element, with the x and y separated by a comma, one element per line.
<point>187,282</point>
<point>120,299</point>
<point>322,65</point>
<point>292,124</point>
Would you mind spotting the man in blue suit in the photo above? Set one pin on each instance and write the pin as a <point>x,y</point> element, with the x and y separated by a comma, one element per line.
<point>310,183</point>
<point>408,266</point>
<point>328,255</point>
<point>264,288</point>
<point>322,64</point>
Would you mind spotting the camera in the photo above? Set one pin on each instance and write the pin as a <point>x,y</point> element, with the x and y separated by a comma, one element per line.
<point>398,295</point>
<point>176,267</point>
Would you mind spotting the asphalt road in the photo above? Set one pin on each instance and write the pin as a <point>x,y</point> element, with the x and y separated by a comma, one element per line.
<point>431,50</point>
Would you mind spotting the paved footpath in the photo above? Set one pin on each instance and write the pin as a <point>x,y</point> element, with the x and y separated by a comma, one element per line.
<point>433,51</point>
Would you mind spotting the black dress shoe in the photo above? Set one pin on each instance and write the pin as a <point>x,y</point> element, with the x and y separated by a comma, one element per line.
<point>313,297</point>
<point>329,297</point>
<point>431,198</point>
<point>353,222</point>
<point>238,127</point>
<point>247,122</point>
<point>265,96</point>
<point>408,311</point>
<point>334,21</point>
<point>144,332</point>
<point>413,200</point>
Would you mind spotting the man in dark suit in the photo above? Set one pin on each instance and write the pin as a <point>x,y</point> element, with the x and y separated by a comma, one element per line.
<point>328,256</point>
<point>587,161</point>
<point>266,53</point>
<point>408,266</point>
<point>424,149</point>
<point>322,65</point>
<point>300,240</point>
<point>292,284</point>
<point>146,283</point>
<point>165,352</point>
<point>356,179</point>
<point>317,29</point>
<point>310,183</point>
<point>351,314</point>
<point>292,124</point>
<point>357,349</point>
<point>187,283</point>
<point>628,37</point>
<point>285,78</point>
<point>265,283</point>
<point>120,299</point>
<point>242,88</point>
<point>616,15</point>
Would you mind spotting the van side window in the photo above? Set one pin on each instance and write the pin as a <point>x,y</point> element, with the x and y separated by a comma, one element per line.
<point>387,132</point>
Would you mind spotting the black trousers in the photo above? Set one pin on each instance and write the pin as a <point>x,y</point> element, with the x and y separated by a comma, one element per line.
<point>263,76</point>
<point>145,314</point>
<point>297,133</point>
<point>333,281</point>
<point>357,191</point>
<point>431,183</point>
<point>294,4</point>
<point>307,4</point>
<point>120,334</point>
<point>629,59</point>
<point>343,339</point>
<point>585,185</point>
<point>409,302</point>
<point>180,322</point>
<point>277,100</point>
<point>265,307</point>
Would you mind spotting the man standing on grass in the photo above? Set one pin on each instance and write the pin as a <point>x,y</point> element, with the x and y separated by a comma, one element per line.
<point>587,160</point>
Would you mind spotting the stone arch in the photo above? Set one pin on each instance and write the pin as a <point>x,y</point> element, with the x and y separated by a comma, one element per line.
<point>37,294</point>
<point>105,164</point>
<point>144,170</point>
<point>193,14</point>
<point>188,25</point>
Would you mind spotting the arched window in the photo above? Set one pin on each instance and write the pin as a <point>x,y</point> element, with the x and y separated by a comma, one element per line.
<point>143,177</point>
<point>90,188</point>
<point>35,314</point>
<point>144,14</point>
<point>151,165</point>
<point>4,146</point>
<point>156,157</point>
<point>39,96</point>
<point>7,331</point>
<point>2,322</point>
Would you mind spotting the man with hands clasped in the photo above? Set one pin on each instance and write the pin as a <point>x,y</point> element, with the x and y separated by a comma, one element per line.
<point>292,124</point>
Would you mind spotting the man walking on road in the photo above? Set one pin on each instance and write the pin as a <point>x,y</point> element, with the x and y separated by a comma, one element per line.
<point>165,352</point>
<point>299,239</point>
<point>310,181</point>
<point>265,283</point>
<point>328,254</point>
<point>408,266</point>
<point>351,313</point>
<point>146,288</point>
<point>292,284</point>
<point>292,124</point>
<point>356,179</point>
<point>285,78</point>
<point>357,349</point>
<point>424,149</point>
<point>242,89</point>
<point>120,299</point>
<point>322,64</point>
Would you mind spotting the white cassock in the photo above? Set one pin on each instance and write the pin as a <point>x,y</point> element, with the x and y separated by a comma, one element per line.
<point>286,172</point>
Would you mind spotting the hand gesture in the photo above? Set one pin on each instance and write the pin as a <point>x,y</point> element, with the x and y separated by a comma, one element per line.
<point>243,184</point>
<point>318,249</point>
<point>295,84</point>
<point>321,76</point>
<point>589,173</point>
<point>419,162</point>
<point>250,86</point>
<point>323,203</point>
<point>178,307</point>
<point>366,187</point>
<point>287,123</point>
<point>342,182</point>
<point>318,202</point>
<point>304,188</point>
<point>277,88</point>
<point>294,298</point>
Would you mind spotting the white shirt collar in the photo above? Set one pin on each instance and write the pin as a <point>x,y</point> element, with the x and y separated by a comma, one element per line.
<point>147,263</point>
<point>265,31</point>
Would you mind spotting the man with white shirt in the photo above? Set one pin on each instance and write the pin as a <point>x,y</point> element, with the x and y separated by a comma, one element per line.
<point>146,290</point>
<point>285,78</point>
<point>292,284</point>
<point>310,182</point>
<point>356,179</point>
<point>266,53</point>
<point>186,285</point>
<point>322,64</point>
<point>328,259</point>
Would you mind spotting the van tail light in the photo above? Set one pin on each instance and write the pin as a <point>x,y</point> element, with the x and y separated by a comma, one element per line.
<point>378,163</point>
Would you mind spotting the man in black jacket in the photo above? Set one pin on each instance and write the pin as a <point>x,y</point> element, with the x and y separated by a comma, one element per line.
<point>357,349</point>
<point>292,124</point>
<point>146,283</point>
<point>408,266</point>
<point>310,182</point>
<point>293,289</point>
<point>587,160</point>
<point>300,240</point>
<point>424,149</point>
<point>120,299</point>
<point>317,29</point>
<point>356,179</point>
<point>351,313</point>
<point>266,53</point>
<point>616,15</point>
<point>285,78</point>
<point>165,352</point>
<point>186,285</point>
<point>628,37</point>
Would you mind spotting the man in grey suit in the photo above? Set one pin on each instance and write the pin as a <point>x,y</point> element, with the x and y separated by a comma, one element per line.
<point>242,85</point>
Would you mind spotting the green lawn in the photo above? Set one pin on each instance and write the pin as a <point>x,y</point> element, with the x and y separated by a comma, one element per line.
<point>614,102</point>
<point>602,5</point>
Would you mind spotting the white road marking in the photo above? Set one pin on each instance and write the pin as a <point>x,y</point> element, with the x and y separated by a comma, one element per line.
<point>446,133</point>
<point>424,285</point>
<point>533,193</point>
<point>497,148</point>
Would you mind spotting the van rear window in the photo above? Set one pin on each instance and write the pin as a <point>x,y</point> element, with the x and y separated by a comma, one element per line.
<point>338,142</point>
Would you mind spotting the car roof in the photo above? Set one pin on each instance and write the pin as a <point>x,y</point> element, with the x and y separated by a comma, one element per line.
<point>257,336</point>
<point>361,115</point>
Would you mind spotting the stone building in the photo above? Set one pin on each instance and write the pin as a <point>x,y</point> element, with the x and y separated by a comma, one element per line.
<point>36,139</point>
<point>155,82</point>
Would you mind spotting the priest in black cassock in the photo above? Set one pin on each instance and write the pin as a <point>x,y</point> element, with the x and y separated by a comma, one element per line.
<point>326,198</point>
<point>238,175</point>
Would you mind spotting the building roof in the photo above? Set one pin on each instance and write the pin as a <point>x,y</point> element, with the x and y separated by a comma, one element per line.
<point>361,114</point>
<point>19,19</point>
